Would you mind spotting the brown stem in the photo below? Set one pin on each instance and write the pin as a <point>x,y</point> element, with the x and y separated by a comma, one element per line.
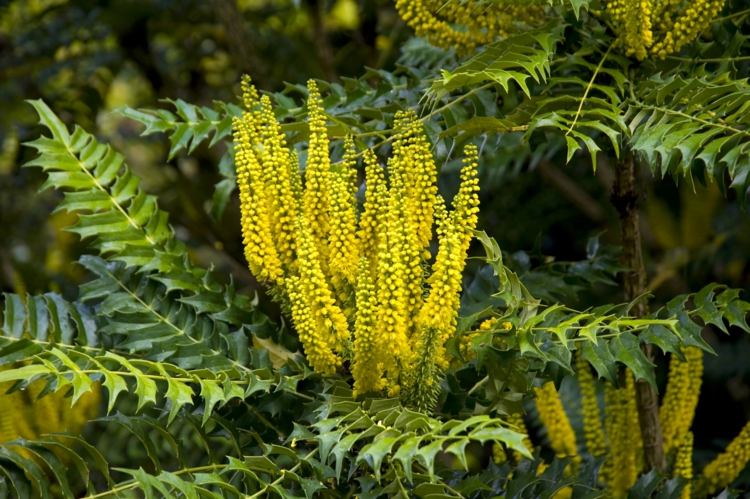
<point>625,200</point>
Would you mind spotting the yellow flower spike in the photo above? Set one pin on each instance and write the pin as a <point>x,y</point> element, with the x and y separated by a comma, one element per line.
<point>593,431</point>
<point>22,417</point>
<point>454,235</point>
<point>373,216</point>
<point>367,367</point>
<point>392,286</point>
<point>317,191</point>
<point>631,414</point>
<point>414,180</point>
<point>637,25</point>
<point>420,172</point>
<point>552,414</point>
<point>296,177</point>
<point>499,451</point>
<point>437,318</point>
<point>317,349</point>
<point>278,169</point>
<point>343,246</point>
<point>727,466</point>
<point>331,324</point>
<point>257,234</point>
<point>7,411</point>
<point>683,389</point>
<point>620,469</point>
<point>683,466</point>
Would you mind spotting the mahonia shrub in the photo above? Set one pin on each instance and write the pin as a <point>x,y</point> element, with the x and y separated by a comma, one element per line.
<point>362,286</point>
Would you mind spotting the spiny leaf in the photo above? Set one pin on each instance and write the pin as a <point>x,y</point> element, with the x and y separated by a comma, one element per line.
<point>514,59</point>
<point>680,122</point>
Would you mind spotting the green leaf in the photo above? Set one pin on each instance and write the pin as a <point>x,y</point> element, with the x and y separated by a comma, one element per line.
<point>627,349</point>
<point>514,59</point>
<point>51,121</point>
<point>680,123</point>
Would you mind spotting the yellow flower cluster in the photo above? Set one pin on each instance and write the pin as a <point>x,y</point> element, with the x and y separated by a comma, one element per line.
<point>592,422</point>
<point>552,414</point>
<point>466,25</point>
<point>726,467</point>
<point>681,398</point>
<point>660,27</point>
<point>360,286</point>
<point>683,465</point>
<point>623,460</point>
<point>24,415</point>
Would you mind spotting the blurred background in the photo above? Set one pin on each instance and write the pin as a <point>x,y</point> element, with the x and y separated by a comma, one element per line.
<point>87,59</point>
